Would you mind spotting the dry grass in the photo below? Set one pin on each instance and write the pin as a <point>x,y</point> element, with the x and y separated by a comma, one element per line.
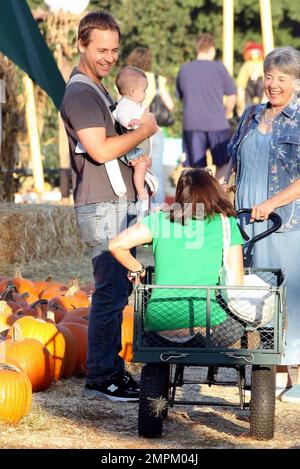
<point>38,232</point>
<point>61,418</point>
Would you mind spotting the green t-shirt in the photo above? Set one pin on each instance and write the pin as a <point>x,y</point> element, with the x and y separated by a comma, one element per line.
<point>188,254</point>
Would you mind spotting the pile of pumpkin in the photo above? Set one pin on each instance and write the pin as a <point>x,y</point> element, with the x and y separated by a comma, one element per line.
<point>43,327</point>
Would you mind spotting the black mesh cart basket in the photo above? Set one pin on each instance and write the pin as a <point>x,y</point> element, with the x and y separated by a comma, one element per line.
<point>190,335</point>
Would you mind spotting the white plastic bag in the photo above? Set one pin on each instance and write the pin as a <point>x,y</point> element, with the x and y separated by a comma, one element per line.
<point>255,306</point>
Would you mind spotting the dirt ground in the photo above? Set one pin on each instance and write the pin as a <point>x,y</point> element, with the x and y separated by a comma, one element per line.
<point>61,418</point>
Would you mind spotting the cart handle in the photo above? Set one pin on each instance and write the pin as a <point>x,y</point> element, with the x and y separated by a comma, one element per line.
<point>277,222</point>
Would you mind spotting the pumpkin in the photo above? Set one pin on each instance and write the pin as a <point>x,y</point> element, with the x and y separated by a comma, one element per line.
<point>32,358</point>
<point>70,357</point>
<point>3,285</point>
<point>15,394</point>
<point>71,301</point>
<point>58,311</point>
<point>80,332</point>
<point>70,318</point>
<point>127,333</point>
<point>79,313</point>
<point>7,318</point>
<point>53,290</point>
<point>47,334</point>
<point>25,286</point>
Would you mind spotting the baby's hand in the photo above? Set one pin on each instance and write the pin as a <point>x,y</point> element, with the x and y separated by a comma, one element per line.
<point>134,123</point>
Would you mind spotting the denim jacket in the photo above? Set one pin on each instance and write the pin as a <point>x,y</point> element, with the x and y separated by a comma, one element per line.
<point>284,162</point>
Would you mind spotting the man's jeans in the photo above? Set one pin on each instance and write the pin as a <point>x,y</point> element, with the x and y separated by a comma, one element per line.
<point>98,223</point>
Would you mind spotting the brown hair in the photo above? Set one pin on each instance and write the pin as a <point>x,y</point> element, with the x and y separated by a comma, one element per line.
<point>204,42</point>
<point>198,186</point>
<point>140,57</point>
<point>96,20</point>
<point>128,77</point>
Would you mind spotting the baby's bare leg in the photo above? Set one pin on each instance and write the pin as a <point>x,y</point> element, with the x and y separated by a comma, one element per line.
<point>139,172</point>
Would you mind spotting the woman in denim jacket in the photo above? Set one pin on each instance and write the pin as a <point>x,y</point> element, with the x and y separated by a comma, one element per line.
<point>265,152</point>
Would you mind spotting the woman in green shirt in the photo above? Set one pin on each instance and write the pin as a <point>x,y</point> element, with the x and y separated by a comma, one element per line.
<point>188,249</point>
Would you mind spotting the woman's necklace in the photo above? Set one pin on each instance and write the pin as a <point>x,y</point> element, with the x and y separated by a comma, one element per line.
<point>267,121</point>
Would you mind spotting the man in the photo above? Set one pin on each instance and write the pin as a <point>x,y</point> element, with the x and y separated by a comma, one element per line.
<point>101,214</point>
<point>202,85</point>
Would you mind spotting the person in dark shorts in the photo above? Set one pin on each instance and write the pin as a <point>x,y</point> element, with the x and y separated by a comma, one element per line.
<point>201,85</point>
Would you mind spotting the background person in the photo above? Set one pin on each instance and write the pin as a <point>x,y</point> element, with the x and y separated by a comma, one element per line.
<point>141,57</point>
<point>266,153</point>
<point>250,87</point>
<point>202,85</point>
<point>100,213</point>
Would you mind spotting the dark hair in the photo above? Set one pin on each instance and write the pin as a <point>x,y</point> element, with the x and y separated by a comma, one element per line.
<point>204,42</point>
<point>96,20</point>
<point>198,186</point>
<point>140,57</point>
<point>128,77</point>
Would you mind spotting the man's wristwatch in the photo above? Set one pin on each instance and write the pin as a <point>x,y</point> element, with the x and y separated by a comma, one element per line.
<point>136,273</point>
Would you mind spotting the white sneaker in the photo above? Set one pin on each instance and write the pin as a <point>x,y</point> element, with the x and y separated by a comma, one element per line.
<point>152,181</point>
<point>292,395</point>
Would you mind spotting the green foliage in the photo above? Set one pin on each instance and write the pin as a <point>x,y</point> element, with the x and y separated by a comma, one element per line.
<point>170,27</point>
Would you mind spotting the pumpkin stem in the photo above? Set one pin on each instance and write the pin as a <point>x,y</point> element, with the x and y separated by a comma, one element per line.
<point>72,290</point>
<point>17,272</point>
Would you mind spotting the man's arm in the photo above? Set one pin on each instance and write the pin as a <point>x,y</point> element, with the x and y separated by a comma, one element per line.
<point>229,105</point>
<point>102,148</point>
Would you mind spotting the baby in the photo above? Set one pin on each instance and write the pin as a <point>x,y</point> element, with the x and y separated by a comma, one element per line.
<point>132,84</point>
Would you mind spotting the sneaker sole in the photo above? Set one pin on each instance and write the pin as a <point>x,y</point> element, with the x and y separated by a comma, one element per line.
<point>92,394</point>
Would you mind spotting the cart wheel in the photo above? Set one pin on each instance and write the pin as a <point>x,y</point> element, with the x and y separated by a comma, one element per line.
<point>262,405</point>
<point>154,386</point>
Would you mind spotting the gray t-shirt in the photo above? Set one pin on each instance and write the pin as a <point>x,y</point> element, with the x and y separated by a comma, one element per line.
<point>83,108</point>
<point>202,84</point>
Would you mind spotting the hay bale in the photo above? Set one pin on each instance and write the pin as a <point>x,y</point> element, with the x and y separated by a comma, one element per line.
<point>38,232</point>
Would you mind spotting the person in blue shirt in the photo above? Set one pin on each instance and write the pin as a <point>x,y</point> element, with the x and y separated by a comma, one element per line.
<point>201,85</point>
<point>265,153</point>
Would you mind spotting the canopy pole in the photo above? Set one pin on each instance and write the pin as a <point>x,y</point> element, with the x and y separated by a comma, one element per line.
<point>228,28</point>
<point>266,25</point>
<point>63,145</point>
<point>33,135</point>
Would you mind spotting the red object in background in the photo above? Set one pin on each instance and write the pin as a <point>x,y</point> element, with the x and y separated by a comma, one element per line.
<point>249,47</point>
<point>169,199</point>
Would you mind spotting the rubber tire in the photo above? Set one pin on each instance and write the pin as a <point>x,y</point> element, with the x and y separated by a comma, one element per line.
<point>154,383</point>
<point>262,405</point>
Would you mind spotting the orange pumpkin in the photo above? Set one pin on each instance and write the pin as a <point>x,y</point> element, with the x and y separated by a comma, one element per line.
<point>79,313</point>
<point>70,357</point>
<point>127,333</point>
<point>80,332</point>
<point>15,394</point>
<point>3,285</point>
<point>32,358</point>
<point>70,318</point>
<point>47,334</point>
<point>70,301</point>
<point>23,286</point>
<point>7,318</point>
<point>53,290</point>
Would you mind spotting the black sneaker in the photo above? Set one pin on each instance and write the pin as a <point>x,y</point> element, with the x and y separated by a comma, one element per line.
<point>114,389</point>
<point>130,381</point>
